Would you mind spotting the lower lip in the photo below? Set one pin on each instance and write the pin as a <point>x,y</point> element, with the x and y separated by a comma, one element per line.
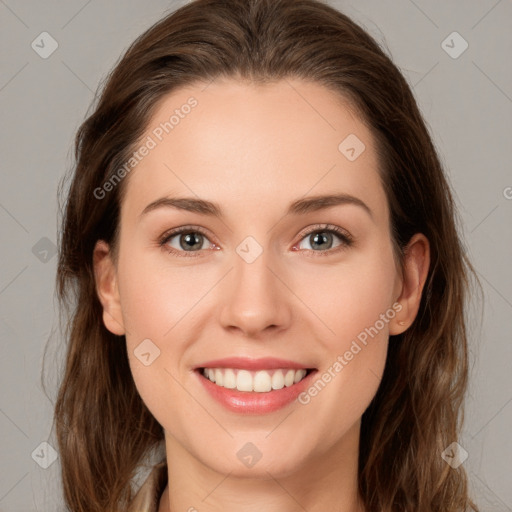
<point>252,402</point>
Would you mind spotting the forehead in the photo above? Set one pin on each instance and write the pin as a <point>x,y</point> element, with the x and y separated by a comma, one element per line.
<point>253,145</point>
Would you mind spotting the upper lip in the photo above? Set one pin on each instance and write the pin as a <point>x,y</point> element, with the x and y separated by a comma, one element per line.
<point>246,363</point>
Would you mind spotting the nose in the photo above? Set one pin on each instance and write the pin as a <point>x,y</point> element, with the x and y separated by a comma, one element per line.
<point>256,300</point>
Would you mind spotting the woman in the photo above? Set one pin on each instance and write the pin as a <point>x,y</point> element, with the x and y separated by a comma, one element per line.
<point>270,286</point>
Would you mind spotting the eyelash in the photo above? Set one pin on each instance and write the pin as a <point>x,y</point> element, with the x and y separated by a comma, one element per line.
<point>346,239</point>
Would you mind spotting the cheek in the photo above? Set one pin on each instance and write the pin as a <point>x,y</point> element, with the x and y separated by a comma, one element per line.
<point>152,305</point>
<point>354,305</point>
<point>154,297</point>
<point>351,297</point>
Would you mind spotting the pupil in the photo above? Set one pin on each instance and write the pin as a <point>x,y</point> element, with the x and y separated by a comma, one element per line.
<point>323,238</point>
<point>191,239</point>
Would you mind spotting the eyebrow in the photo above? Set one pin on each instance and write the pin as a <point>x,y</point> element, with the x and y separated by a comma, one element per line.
<point>299,207</point>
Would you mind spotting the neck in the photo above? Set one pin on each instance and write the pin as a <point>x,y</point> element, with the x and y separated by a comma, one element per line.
<point>327,481</point>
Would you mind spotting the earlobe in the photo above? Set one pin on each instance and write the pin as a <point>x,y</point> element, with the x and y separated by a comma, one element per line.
<point>416,266</point>
<point>106,287</point>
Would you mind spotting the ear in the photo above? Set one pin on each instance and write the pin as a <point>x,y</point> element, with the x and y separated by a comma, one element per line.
<point>416,265</point>
<point>105,274</point>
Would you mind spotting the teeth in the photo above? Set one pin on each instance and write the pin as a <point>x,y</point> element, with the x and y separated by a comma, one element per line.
<point>260,381</point>
<point>289,378</point>
<point>243,381</point>
<point>219,377</point>
<point>277,380</point>
<point>229,379</point>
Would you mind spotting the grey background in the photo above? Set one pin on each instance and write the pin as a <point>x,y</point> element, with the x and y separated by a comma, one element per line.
<point>467,103</point>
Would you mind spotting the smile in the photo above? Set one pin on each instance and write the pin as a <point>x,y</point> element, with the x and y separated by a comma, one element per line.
<point>262,381</point>
<point>254,386</point>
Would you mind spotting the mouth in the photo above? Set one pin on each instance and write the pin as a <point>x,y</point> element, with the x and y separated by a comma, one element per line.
<point>260,381</point>
<point>254,386</point>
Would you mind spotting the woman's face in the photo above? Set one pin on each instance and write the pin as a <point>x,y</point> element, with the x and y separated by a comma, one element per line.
<point>259,276</point>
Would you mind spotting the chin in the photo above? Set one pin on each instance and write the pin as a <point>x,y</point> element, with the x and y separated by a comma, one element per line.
<point>249,462</point>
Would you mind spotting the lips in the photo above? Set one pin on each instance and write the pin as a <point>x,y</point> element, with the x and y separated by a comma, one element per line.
<point>254,386</point>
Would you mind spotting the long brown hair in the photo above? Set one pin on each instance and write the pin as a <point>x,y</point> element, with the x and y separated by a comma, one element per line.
<point>104,429</point>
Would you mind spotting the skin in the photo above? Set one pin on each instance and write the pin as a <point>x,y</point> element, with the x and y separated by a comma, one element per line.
<point>254,149</point>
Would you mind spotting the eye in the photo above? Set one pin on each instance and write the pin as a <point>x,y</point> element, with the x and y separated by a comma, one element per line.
<point>187,239</point>
<point>322,238</point>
